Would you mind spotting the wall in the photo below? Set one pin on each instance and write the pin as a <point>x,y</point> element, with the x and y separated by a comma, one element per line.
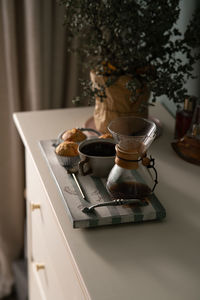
<point>187,9</point>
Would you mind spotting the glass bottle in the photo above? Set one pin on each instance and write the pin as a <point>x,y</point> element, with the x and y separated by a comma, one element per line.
<point>188,147</point>
<point>184,117</point>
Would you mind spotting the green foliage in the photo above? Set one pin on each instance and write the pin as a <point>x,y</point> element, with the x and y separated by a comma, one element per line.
<point>135,37</point>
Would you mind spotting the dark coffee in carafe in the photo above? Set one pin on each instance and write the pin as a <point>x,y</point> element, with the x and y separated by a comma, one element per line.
<point>129,190</point>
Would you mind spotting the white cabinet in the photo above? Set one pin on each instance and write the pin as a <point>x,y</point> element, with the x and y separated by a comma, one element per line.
<point>50,262</point>
<point>153,260</point>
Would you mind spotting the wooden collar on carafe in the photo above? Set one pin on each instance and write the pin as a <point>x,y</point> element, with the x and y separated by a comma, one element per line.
<point>127,159</point>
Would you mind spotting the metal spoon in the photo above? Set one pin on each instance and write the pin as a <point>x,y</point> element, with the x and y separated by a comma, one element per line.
<point>116,202</point>
<point>73,172</point>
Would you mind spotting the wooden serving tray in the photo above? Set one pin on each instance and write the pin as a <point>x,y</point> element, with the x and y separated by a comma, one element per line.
<point>95,191</point>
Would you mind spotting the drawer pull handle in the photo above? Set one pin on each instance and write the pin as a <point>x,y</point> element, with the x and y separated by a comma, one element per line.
<point>40,267</point>
<point>35,206</point>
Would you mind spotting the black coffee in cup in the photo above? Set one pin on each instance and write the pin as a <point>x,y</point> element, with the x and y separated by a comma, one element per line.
<point>99,149</point>
<point>97,157</point>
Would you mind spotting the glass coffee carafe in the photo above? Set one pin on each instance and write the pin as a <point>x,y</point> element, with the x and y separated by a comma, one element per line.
<point>131,177</point>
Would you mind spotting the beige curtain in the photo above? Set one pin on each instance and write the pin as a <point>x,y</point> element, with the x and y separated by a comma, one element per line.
<point>35,73</point>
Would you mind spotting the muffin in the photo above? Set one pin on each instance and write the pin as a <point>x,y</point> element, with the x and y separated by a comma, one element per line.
<point>67,154</point>
<point>106,136</point>
<point>74,135</point>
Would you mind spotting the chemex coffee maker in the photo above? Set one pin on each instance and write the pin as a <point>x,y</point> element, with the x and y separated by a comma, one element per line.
<point>131,181</point>
<point>132,176</point>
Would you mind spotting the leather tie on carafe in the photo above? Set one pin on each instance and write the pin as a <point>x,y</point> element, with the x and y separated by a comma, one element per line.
<point>127,159</point>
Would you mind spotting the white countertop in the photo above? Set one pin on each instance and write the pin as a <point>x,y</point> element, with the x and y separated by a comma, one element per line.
<point>152,260</point>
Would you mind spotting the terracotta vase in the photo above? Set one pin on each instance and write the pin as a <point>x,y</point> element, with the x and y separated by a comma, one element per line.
<point>117,102</point>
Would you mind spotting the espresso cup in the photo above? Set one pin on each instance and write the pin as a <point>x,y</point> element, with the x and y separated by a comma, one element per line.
<point>97,157</point>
